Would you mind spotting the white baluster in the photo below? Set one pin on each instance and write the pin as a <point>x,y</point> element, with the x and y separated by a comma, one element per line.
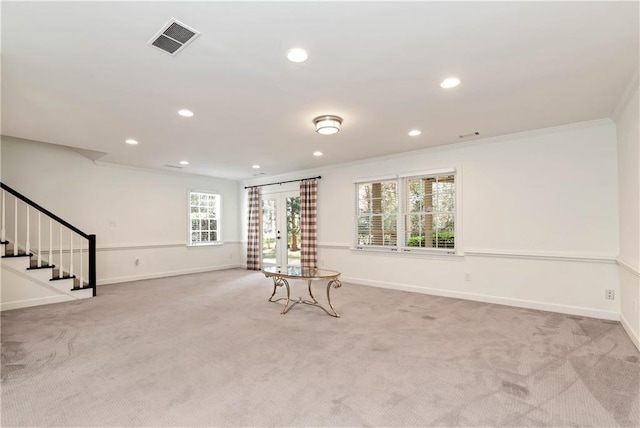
<point>60,271</point>
<point>81,264</point>
<point>50,242</point>
<point>71,253</point>
<point>15,228</point>
<point>27,247</point>
<point>39,239</point>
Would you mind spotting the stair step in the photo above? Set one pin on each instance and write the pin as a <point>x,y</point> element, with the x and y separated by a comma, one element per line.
<point>18,255</point>
<point>63,277</point>
<point>41,267</point>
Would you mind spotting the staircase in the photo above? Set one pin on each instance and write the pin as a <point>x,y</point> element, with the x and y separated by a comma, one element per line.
<point>46,259</point>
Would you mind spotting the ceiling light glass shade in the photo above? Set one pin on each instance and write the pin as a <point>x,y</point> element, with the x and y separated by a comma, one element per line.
<point>255,166</point>
<point>297,55</point>
<point>130,141</point>
<point>414,133</point>
<point>317,153</point>
<point>327,124</point>
<point>450,82</point>
<point>184,162</point>
<point>185,113</point>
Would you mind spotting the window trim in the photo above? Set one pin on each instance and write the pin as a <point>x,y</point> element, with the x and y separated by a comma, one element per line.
<point>401,186</point>
<point>219,241</point>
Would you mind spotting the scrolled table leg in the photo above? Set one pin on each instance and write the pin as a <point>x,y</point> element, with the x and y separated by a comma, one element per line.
<point>275,285</point>
<point>286,307</point>
<point>310,293</point>
<point>335,283</point>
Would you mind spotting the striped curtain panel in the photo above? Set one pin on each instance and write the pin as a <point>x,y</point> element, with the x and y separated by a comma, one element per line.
<point>253,238</point>
<point>308,223</point>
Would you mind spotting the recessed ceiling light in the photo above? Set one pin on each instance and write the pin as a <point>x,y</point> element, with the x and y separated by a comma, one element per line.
<point>297,55</point>
<point>255,166</point>
<point>317,153</point>
<point>450,82</point>
<point>415,133</point>
<point>184,162</point>
<point>130,141</point>
<point>185,113</point>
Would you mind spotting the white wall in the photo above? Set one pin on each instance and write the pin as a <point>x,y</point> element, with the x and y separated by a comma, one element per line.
<point>628,124</point>
<point>135,213</point>
<point>539,222</point>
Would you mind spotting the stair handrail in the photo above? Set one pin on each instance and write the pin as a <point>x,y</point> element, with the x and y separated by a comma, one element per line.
<point>90,237</point>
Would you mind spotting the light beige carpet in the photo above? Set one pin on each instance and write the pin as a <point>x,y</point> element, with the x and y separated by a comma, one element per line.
<point>209,350</point>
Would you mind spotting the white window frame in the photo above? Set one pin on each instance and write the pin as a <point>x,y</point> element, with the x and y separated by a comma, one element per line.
<point>218,229</point>
<point>401,246</point>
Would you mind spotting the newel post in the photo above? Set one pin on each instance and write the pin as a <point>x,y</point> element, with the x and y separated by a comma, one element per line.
<point>92,263</point>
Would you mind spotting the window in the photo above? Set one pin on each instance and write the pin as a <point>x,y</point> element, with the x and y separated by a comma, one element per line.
<point>378,213</point>
<point>409,213</point>
<point>204,218</point>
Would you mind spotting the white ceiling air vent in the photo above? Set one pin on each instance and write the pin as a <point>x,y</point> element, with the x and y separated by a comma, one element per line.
<point>173,37</point>
<point>470,134</point>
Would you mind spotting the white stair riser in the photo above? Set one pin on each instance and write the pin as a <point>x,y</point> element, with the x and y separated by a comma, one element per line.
<point>41,274</point>
<point>17,262</point>
<point>62,284</point>
<point>82,294</point>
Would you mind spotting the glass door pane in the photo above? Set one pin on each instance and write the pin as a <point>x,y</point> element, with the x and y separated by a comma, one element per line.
<point>293,231</point>
<point>269,231</point>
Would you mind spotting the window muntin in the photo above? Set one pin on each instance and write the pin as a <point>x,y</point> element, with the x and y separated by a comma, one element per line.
<point>408,213</point>
<point>204,218</point>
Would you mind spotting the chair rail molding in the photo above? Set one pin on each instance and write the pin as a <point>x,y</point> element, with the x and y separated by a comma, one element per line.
<point>569,257</point>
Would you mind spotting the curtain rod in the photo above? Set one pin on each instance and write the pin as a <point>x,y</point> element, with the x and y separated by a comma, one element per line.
<point>282,182</point>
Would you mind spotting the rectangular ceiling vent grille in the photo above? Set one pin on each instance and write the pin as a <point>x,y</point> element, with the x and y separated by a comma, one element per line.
<point>470,134</point>
<point>173,37</point>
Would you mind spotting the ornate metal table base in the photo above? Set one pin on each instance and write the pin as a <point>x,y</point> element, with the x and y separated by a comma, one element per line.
<point>280,280</point>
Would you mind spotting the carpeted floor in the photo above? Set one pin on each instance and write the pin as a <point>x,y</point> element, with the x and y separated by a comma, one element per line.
<point>209,350</point>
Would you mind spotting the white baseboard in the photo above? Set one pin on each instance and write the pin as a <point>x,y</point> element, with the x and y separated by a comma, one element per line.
<point>633,335</point>
<point>528,304</point>
<point>35,302</point>
<point>104,281</point>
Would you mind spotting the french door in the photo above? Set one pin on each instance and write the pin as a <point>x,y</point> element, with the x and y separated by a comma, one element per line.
<point>281,229</point>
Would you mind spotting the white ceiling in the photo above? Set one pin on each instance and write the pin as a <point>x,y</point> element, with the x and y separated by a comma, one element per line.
<point>81,74</point>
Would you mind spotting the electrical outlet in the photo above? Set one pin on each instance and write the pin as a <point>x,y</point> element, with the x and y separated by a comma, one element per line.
<point>609,294</point>
<point>137,262</point>
<point>467,277</point>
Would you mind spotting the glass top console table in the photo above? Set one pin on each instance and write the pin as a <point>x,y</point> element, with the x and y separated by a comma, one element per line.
<point>281,276</point>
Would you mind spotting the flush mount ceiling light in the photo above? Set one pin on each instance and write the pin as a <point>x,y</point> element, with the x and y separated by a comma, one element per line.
<point>130,141</point>
<point>317,153</point>
<point>185,113</point>
<point>414,133</point>
<point>297,55</point>
<point>255,166</point>
<point>184,162</point>
<point>327,124</point>
<point>450,82</point>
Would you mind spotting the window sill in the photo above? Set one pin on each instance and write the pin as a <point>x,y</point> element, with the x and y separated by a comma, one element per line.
<point>400,252</point>
<point>206,244</point>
